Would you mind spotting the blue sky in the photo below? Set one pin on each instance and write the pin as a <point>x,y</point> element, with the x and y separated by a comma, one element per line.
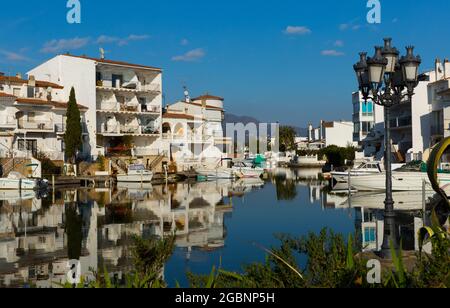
<point>286,60</point>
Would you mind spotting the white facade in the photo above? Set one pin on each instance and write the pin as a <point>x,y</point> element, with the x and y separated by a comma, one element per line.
<point>338,133</point>
<point>32,118</point>
<point>193,131</point>
<point>124,102</point>
<point>364,116</point>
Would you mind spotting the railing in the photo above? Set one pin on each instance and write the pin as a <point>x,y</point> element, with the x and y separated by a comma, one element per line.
<point>401,122</point>
<point>110,129</point>
<point>37,125</point>
<point>130,129</point>
<point>150,88</point>
<point>107,84</point>
<point>8,121</point>
<point>153,109</point>
<point>109,106</point>
<point>60,128</point>
<point>131,108</point>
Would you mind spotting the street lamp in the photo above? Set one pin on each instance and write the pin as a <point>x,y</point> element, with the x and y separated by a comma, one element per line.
<point>383,79</point>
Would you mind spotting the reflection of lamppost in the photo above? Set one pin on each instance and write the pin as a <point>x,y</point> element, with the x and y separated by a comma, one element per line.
<point>387,80</point>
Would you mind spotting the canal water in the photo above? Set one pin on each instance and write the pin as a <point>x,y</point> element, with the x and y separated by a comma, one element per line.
<point>215,222</point>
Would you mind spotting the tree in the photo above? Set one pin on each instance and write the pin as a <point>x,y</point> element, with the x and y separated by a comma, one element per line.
<point>287,138</point>
<point>72,139</point>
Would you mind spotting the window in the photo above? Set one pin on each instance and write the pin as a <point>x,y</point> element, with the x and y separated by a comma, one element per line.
<point>357,128</point>
<point>30,92</point>
<point>356,108</point>
<point>367,108</point>
<point>117,81</point>
<point>370,235</point>
<point>366,127</point>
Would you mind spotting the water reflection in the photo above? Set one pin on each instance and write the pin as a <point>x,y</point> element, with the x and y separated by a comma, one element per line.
<point>38,235</point>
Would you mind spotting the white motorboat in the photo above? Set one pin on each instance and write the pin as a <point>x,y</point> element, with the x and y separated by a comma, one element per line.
<point>222,171</point>
<point>16,181</point>
<point>339,180</point>
<point>216,173</point>
<point>136,174</point>
<point>244,170</point>
<point>401,181</point>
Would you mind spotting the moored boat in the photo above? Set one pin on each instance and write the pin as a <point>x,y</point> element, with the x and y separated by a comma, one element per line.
<point>136,174</point>
<point>243,170</point>
<point>16,181</point>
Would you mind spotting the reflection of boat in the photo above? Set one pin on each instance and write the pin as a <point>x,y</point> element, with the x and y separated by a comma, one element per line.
<point>401,181</point>
<point>16,181</point>
<point>404,200</point>
<point>136,174</point>
<point>15,195</point>
<point>244,170</point>
<point>243,186</point>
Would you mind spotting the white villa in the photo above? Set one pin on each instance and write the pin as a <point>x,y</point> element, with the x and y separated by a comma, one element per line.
<point>32,117</point>
<point>337,133</point>
<point>192,130</point>
<point>124,102</point>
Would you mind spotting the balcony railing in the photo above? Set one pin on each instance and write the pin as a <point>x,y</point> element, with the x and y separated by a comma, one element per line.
<point>8,121</point>
<point>401,122</point>
<point>38,125</point>
<point>61,128</point>
<point>107,84</point>
<point>123,107</point>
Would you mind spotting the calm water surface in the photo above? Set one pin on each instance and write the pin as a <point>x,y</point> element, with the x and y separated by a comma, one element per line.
<point>214,221</point>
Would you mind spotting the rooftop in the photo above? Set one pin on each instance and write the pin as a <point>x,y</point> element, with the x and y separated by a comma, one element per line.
<point>41,102</point>
<point>39,83</point>
<point>120,63</point>
<point>208,97</point>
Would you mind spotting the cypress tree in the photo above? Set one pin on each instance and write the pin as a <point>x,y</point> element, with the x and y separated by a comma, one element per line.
<point>72,138</point>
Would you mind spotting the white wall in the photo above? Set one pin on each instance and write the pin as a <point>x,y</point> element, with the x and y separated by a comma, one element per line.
<point>340,135</point>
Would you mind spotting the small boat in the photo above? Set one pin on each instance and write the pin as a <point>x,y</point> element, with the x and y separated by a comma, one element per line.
<point>243,170</point>
<point>306,162</point>
<point>222,171</point>
<point>401,181</point>
<point>136,174</point>
<point>404,200</point>
<point>339,180</point>
<point>16,181</point>
<point>217,173</point>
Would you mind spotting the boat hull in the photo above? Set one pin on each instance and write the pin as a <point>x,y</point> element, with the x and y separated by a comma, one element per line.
<point>224,174</point>
<point>248,173</point>
<point>401,181</point>
<point>147,178</point>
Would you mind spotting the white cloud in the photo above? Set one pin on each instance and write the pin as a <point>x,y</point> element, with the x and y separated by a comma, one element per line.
<point>339,43</point>
<point>190,56</point>
<point>105,39</point>
<point>351,25</point>
<point>62,45</point>
<point>14,56</point>
<point>332,53</point>
<point>297,30</point>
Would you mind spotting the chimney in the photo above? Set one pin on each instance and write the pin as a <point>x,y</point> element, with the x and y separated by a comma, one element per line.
<point>446,69</point>
<point>439,70</point>
<point>31,81</point>
<point>19,75</point>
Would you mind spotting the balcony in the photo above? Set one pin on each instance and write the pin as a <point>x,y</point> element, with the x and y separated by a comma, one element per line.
<point>8,122</point>
<point>116,107</point>
<point>130,87</point>
<point>127,130</point>
<point>36,126</point>
<point>401,122</point>
<point>61,128</point>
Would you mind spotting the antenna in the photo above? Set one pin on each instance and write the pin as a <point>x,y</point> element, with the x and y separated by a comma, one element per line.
<point>102,53</point>
<point>187,97</point>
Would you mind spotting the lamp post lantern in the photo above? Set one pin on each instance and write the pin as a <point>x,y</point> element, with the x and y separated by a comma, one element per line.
<point>388,80</point>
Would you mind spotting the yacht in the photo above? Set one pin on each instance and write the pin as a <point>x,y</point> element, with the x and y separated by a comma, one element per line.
<point>339,180</point>
<point>16,181</point>
<point>136,174</point>
<point>401,181</point>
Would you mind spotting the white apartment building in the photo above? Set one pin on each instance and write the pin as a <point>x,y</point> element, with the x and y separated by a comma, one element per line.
<point>124,101</point>
<point>193,131</point>
<point>439,94</point>
<point>365,115</point>
<point>411,124</point>
<point>337,133</point>
<point>32,117</point>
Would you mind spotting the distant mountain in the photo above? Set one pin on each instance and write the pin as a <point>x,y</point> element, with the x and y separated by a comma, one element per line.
<point>232,118</point>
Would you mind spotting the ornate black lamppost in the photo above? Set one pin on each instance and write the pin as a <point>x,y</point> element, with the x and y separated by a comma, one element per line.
<point>388,80</point>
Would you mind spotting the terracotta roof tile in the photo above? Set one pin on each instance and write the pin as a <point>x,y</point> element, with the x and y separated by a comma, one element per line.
<point>39,83</point>
<point>6,95</point>
<point>207,96</point>
<point>178,116</point>
<point>41,102</point>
